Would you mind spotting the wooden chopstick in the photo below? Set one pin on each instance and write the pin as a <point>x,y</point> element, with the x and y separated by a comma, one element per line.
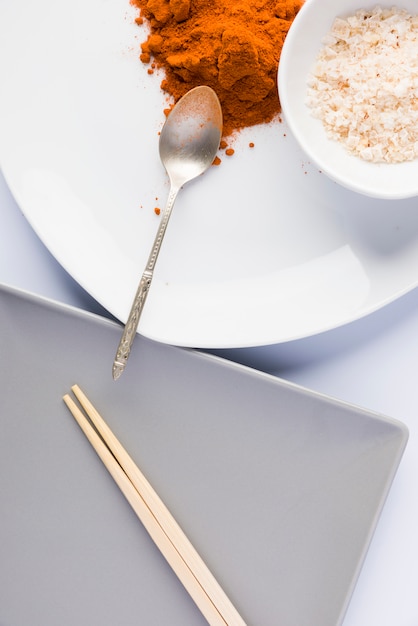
<point>158,521</point>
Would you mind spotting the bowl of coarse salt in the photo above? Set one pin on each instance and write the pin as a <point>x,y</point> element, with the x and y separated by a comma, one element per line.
<point>348,88</point>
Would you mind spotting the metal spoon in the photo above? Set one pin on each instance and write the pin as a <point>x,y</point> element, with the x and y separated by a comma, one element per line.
<point>188,145</point>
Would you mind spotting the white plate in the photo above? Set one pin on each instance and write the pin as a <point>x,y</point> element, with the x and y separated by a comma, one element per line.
<point>278,488</point>
<point>263,249</point>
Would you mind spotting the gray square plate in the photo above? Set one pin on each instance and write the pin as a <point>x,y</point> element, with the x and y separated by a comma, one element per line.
<point>278,488</point>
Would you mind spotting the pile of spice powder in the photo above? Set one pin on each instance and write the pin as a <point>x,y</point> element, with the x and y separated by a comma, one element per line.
<point>232,46</point>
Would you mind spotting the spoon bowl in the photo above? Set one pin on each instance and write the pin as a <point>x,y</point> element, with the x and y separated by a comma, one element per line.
<point>188,144</point>
<point>190,137</point>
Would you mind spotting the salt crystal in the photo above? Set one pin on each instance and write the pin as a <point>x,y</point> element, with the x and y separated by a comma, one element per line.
<point>364,85</point>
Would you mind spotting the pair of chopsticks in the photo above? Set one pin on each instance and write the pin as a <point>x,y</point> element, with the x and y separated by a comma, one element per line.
<point>158,521</point>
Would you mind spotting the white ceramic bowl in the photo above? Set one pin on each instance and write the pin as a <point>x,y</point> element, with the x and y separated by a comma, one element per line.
<point>301,47</point>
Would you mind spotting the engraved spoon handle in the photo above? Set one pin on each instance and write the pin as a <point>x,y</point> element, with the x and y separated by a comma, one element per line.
<point>129,332</point>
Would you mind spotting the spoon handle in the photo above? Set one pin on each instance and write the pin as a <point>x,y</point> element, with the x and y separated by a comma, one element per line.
<point>129,332</point>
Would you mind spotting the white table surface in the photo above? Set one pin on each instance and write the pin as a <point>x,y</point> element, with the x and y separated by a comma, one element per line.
<point>372,363</point>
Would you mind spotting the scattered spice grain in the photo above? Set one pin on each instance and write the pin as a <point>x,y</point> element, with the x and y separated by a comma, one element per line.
<point>233,46</point>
